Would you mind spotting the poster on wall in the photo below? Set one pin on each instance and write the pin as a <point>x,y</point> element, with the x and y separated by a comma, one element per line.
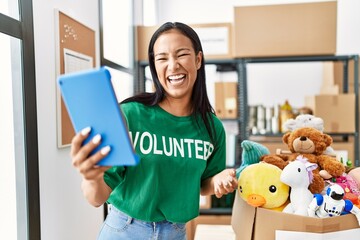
<point>75,51</point>
<point>75,61</point>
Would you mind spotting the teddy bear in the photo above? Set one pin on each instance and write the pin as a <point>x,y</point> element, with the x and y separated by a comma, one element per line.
<point>311,143</point>
<point>308,120</point>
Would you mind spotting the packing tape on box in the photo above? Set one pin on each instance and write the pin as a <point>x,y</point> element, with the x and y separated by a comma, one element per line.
<point>322,229</point>
<point>334,126</point>
<point>334,100</point>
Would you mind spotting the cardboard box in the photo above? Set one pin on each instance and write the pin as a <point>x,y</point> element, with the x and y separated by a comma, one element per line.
<point>328,85</point>
<point>273,146</point>
<point>216,40</point>
<point>337,111</point>
<point>251,223</point>
<point>206,219</point>
<point>226,99</point>
<point>299,29</point>
<point>143,36</point>
<point>338,72</point>
<point>214,232</point>
<point>345,149</point>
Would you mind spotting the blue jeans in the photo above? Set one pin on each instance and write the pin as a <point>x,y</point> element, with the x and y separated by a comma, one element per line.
<point>118,225</point>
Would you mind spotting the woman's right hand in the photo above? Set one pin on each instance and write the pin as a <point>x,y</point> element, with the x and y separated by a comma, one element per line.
<point>94,187</point>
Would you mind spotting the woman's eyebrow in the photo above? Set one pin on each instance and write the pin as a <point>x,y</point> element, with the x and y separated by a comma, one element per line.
<point>177,51</point>
<point>158,54</point>
<point>182,49</point>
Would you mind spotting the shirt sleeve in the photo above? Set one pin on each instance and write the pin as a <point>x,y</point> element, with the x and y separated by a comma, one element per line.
<point>217,161</point>
<point>114,176</point>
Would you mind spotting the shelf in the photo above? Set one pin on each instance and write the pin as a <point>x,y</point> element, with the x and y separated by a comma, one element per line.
<point>243,101</point>
<point>227,62</point>
<point>323,58</point>
<point>281,134</point>
<point>229,119</point>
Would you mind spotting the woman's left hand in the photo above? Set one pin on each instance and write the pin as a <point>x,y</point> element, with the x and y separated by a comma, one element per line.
<point>225,182</point>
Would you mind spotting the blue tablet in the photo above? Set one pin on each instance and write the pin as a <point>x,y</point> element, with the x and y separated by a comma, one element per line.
<point>90,100</point>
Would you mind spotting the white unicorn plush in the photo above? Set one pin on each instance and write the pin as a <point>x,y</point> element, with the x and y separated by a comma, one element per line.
<point>298,175</point>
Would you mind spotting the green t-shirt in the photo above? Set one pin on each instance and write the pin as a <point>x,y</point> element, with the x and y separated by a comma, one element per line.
<point>176,154</point>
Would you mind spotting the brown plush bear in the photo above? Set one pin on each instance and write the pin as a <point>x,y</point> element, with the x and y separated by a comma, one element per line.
<point>311,143</point>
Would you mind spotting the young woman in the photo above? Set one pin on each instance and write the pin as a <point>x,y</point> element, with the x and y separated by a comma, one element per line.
<point>179,139</point>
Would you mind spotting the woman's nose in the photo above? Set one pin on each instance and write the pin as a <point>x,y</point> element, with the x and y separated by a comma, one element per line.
<point>173,64</point>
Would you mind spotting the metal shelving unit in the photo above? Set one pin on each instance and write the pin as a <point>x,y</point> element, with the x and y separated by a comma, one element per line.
<point>243,113</point>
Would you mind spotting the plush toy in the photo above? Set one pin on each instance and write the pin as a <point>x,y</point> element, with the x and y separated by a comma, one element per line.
<point>260,186</point>
<point>298,175</point>
<point>308,120</point>
<point>348,184</point>
<point>304,120</point>
<point>311,143</point>
<point>332,204</point>
<point>251,153</point>
<point>355,174</point>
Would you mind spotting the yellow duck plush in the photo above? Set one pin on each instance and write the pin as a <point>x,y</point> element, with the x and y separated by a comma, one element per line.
<point>260,186</point>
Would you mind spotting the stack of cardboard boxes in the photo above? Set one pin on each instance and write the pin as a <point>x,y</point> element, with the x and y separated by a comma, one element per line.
<point>226,100</point>
<point>336,107</point>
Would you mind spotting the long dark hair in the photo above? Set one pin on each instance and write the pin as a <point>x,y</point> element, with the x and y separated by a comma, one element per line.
<point>199,98</point>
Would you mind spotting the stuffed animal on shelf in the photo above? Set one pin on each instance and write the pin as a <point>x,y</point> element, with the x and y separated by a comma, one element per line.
<point>311,143</point>
<point>308,120</point>
<point>251,153</point>
<point>304,120</point>
<point>260,186</point>
<point>298,175</point>
<point>332,204</point>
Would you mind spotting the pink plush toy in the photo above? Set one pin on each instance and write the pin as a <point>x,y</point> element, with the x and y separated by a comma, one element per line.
<point>348,184</point>
<point>351,190</point>
<point>355,174</point>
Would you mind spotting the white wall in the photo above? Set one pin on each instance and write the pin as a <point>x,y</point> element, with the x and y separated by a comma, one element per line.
<point>265,76</point>
<point>65,214</point>
<point>348,35</point>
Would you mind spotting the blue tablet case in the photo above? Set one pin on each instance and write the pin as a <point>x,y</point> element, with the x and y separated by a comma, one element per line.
<point>90,100</point>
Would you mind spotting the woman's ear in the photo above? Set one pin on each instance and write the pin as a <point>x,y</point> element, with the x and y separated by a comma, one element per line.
<point>198,60</point>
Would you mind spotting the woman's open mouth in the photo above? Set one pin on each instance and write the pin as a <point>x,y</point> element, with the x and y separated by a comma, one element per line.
<point>176,79</point>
